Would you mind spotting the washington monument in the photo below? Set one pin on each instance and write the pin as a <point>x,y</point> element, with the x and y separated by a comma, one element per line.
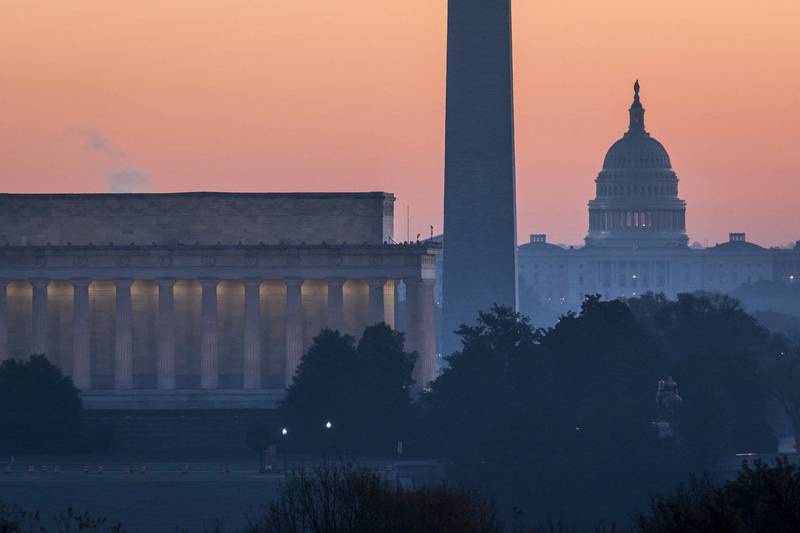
<point>479,191</point>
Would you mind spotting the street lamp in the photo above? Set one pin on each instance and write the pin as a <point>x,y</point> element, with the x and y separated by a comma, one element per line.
<point>328,431</point>
<point>285,434</point>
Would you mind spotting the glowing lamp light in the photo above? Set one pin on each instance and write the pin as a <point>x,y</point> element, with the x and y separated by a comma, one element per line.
<point>328,424</point>
<point>284,432</point>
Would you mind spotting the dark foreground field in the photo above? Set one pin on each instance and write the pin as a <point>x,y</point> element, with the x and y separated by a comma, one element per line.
<point>162,499</point>
<point>164,494</point>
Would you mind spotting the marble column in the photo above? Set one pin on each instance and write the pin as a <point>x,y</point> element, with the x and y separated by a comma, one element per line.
<point>375,314</point>
<point>165,366</point>
<point>293,344</point>
<point>390,303</point>
<point>397,313</point>
<point>335,318</point>
<point>123,338</point>
<point>420,336</point>
<point>81,351</point>
<point>39,311</point>
<point>251,367</point>
<point>3,321</point>
<point>209,366</point>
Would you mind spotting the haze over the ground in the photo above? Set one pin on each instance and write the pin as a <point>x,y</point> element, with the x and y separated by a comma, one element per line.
<point>349,95</point>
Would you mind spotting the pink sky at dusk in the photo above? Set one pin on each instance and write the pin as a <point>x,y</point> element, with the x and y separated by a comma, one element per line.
<point>313,95</point>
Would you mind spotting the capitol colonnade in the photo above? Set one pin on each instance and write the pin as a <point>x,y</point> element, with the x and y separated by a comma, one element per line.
<point>204,326</point>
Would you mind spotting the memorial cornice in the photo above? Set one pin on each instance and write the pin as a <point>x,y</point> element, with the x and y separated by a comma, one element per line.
<point>196,261</point>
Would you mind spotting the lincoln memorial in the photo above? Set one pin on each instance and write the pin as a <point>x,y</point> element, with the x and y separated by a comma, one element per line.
<point>202,300</point>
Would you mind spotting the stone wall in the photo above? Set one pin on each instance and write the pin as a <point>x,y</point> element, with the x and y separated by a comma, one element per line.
<point>188,218</point>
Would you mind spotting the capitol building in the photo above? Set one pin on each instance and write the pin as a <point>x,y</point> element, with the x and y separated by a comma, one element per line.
<point>637,238</point>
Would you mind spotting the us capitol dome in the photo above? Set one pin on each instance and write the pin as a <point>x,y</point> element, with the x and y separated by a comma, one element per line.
<point>637,243</point>
<point>637,203</point>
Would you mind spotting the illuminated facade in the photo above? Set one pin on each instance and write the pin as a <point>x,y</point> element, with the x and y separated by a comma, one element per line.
<point>202,300</point>
<point>637,239</point>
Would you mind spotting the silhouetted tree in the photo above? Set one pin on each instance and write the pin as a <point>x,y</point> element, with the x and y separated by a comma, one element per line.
<point>761,498</point>
<point>385,382</point>
<point>40,409</point>
<point>546,418</point>
<point>560,420</point>
<point>363,390</point>
<point>323,389</point>
<point>349,499</point>
<point>713,349</point>
<point>480,399</point>
<point>259,436</point>
<point>603,383</point>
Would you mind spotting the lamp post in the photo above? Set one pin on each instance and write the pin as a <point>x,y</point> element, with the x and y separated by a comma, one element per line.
<point>284,436</point>
<point>328,430</point>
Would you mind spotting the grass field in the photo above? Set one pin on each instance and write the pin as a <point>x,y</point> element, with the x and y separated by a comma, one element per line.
<point>155,501</point>
<point>154,493</point>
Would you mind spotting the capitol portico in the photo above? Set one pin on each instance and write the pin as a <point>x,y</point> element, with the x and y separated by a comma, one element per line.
<point>202,300</point>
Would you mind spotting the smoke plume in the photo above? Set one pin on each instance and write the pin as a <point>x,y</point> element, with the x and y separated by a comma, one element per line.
<point>122,177</point>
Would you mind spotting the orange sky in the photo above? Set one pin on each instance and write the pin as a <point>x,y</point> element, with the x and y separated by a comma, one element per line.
<point>276,95</point>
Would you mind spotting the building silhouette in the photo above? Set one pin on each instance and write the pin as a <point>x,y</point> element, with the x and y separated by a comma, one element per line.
<point>637,241</point>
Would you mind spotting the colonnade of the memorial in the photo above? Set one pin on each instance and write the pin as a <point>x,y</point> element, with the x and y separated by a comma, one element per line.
<point>286,313</point>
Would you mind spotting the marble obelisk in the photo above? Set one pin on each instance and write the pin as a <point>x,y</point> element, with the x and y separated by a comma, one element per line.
<point>480,267</point>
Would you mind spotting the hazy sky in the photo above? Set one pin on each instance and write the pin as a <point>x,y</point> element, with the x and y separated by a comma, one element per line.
<point>306,95</point>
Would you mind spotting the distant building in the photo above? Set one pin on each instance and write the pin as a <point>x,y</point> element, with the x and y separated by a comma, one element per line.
<point>637,239</point>
<point>202,300</point>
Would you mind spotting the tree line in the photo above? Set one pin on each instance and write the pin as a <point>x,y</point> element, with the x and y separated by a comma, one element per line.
<point>559,421</point>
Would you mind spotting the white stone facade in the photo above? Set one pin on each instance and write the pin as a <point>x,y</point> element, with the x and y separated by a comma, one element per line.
<point>637,240</point>
<point>562,277</point>
<point>182,324</point>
